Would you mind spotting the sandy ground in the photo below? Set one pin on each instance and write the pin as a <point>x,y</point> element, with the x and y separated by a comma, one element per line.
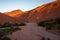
<point>32,32</point>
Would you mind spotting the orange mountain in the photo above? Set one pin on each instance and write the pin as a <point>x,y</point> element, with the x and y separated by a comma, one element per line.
<point>14,13</point>
<point>44,12</point>
<point>41,13</point>
<point>4,18</point>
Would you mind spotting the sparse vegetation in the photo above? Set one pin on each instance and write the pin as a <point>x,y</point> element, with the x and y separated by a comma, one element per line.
<point>19,24</point>
<point>51,24</point>
<point>9,28</point>
<point>22,24</point>
<point>8,24</point>
<point>6,31</point>
<point>5,38</point>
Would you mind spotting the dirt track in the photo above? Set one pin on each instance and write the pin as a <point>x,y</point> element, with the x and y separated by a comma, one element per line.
<point>32,32</point>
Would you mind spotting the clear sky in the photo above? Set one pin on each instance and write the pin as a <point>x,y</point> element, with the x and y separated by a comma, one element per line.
<point>9,5</point>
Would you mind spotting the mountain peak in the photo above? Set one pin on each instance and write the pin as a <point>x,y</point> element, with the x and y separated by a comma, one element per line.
<point>18,10</point>
<point>14,13</point>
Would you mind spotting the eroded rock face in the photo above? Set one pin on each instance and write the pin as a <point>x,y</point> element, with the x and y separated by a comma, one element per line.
<point>58,0</point>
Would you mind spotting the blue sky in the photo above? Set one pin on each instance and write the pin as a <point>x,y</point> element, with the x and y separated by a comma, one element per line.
<point>24,5</point>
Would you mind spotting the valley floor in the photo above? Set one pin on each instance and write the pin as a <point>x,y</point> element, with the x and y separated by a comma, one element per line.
<point>33,32</point>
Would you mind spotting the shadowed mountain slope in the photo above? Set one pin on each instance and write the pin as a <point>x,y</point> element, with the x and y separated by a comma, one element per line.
<point>4,18</point>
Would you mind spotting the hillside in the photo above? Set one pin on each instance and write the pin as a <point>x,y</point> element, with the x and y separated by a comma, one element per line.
<point>14,13</point>
<point>4,18</point>
<point>45,12</point>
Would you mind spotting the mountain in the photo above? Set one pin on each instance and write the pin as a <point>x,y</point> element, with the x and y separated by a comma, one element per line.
<point>58,0</point>
<point>4,18</point>
<point>14,13</point>
<point>45,12</point>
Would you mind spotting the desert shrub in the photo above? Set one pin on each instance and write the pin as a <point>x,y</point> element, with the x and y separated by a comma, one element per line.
<point>17,28</point>
<point>5,38</point>
<point>22,24</point>
<point>3,34</point>
<point>41,24</point>
<point>7,24</point>
<point>7,29</point>
<point>15,24</point>
<point>57,20</point>
<point>42,38</point>
<point>19,24</point>
<point>0,25</point>
<point>58,27</point>
<point>51,24</point>
<point>48,39</point>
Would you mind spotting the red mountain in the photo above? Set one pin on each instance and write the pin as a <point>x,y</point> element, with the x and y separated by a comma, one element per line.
<point>14,13</point>
<point>41,13</point>
<point>4,18</point>
<point>44,12</point>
